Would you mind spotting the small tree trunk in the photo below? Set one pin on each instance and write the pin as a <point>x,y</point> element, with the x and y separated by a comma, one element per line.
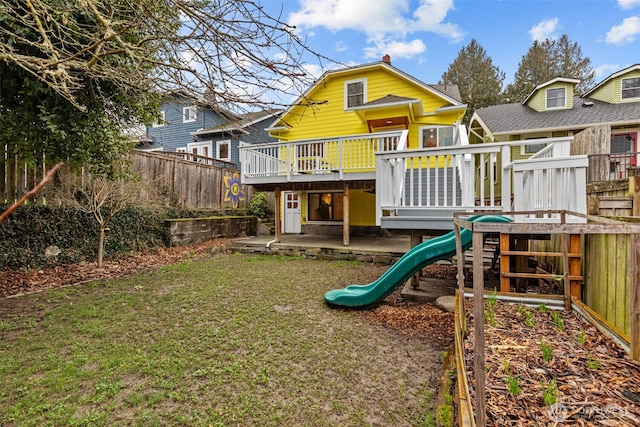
<point>100,247</point>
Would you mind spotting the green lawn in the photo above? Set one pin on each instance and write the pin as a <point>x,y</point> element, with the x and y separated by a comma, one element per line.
<point>233,340</point>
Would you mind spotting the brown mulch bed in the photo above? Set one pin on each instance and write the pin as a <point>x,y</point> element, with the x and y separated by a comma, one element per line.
<point>19,282</point>
<point>596,383</point>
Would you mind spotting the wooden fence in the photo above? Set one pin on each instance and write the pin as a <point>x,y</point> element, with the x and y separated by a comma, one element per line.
<point>164,180</point>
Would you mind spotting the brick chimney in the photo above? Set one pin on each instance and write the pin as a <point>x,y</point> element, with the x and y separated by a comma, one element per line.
<point>386,59</point>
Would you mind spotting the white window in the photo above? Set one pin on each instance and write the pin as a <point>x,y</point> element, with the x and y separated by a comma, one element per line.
<point>189,114</point>
<point>201,149</point>
<point>436,136</point>
<point>223,150</point>
<point>557,98</point>
<point>355,93</point>
<point>631,88</point>
<point>161,122</point>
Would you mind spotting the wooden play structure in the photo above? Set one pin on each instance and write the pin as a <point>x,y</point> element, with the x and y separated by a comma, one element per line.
<point>570,232</point>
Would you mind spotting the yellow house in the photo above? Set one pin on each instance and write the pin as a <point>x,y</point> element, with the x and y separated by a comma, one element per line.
<point>323,169</point>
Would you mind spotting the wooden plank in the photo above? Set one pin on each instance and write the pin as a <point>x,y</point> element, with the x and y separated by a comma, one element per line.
<point>575,265</point>
<point>622,284</point>
<point>505,281</point>
<point>547,276</point>
<point>634,253</point>
<point>610,252</point>
<point>634,192</point>
<point>565,269</point>
<point>478,329</point>
<point>460,265</point>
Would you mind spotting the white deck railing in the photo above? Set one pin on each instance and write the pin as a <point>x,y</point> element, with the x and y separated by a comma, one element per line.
<point>422,182</point>
<point>474,172</point>
<point>340,155</point>
<point>551,184</point>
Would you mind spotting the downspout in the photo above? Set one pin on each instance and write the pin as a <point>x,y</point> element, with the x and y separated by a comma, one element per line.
<point>270,242</point>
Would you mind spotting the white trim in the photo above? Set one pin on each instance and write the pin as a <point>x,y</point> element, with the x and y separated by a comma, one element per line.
<point>546,98</point>
<point>635,98</point>
<point>203,148</point>
<point>187,116</point>
<point>346,92</point>
<point>437,128</point>
<point>218,144</point>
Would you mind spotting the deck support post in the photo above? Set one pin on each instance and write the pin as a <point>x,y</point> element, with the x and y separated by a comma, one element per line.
<point>278,213</point>
<point>345,214</point>
<point>416,239</point>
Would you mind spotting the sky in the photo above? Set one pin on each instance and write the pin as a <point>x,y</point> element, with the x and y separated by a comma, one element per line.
<point>424,36</point>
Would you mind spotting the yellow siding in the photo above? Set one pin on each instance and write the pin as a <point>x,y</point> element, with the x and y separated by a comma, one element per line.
<point>326,116</point>
<point>539,100</point>
<point>611,92</point>
<point>362,208</point>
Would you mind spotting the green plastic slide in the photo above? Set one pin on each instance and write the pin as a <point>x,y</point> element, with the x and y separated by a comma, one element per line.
<point>438,248</point>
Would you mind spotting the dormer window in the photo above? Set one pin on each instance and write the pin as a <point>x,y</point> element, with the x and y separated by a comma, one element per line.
<point>631,88</point>
<point>556,98</point>
<point>355,93</point>
<point>189,114</point>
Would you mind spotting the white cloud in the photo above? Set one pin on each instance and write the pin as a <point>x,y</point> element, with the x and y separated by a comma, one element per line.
<point>606,69</point>
<point>341,46</point>
<point>544,30</point>
<point>628,4</point>
<point>386,23</point>
<point>396,49</point>
<point>624,33</point>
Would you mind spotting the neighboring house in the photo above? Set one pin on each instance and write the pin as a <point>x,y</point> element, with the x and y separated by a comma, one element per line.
<point>323,169</point>
<point>552,110</point>
<point>223,140</point>
<point>193,128</point>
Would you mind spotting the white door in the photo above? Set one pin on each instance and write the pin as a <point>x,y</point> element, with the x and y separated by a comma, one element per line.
<point>201,149</point>
<point>292,217</point>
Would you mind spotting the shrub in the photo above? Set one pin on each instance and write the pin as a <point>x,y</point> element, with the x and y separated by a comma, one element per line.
<point>30,229</point>
<point>258,205</point>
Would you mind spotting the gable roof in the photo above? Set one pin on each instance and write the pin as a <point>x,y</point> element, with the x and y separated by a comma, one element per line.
<point>549,83</point>
<point>611,77</point>
<point>449,93</point>
<point>244,121</point>
<point>516,118</point>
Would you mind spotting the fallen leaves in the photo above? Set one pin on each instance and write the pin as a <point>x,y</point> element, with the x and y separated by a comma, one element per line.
<point>17,282</point>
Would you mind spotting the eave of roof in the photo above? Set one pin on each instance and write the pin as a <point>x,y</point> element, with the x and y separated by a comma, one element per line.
<point>611,77</point>
<point>549,83</point>
<point>245,121</point>
<point>516,118</point>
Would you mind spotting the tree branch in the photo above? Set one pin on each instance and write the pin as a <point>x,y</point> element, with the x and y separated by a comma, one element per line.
<point>37,188</point>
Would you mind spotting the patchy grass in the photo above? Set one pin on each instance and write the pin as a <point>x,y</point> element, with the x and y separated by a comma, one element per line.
<point>232,340</point>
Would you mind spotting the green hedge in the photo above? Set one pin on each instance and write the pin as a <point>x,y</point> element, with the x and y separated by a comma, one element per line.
<point>30,229</point>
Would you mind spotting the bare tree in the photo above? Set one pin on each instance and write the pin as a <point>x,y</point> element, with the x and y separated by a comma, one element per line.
<point>233,50</point>
<point>101,197</point>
